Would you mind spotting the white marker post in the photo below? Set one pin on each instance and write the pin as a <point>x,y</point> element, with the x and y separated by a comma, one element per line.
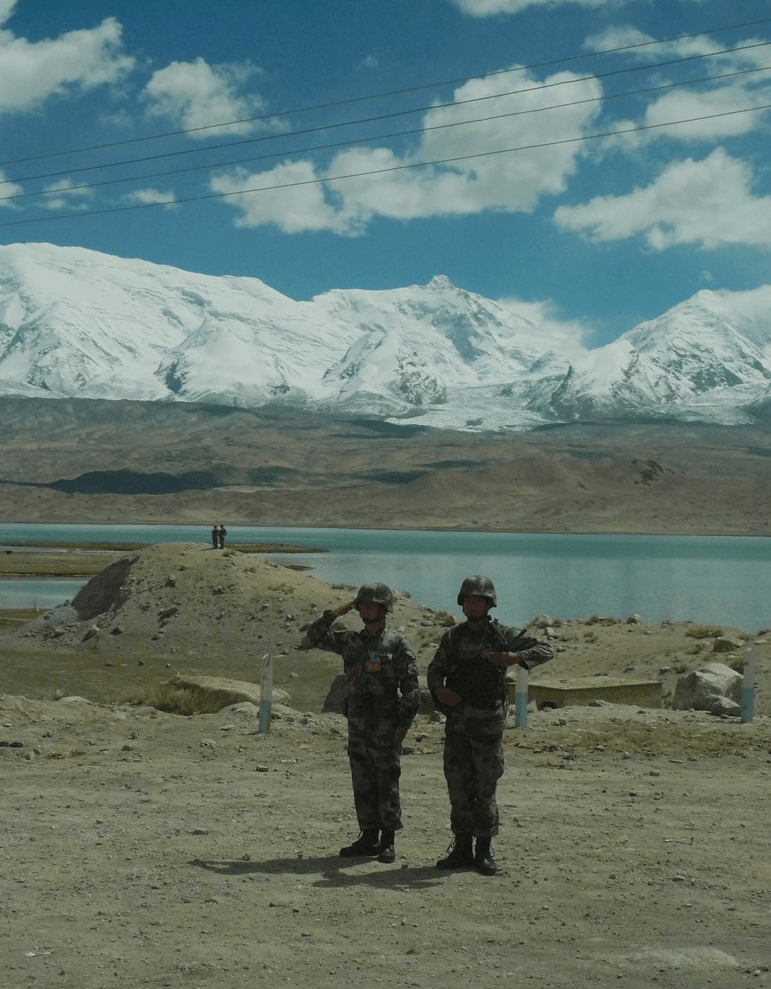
<point>266,693</point>
<point>748,687</point>
<point>520,698</point>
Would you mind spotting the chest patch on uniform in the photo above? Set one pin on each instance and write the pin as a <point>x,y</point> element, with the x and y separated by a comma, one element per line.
<point>373,664</point>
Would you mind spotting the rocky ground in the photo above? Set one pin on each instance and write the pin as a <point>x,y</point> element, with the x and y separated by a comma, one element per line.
<point>145,848</point>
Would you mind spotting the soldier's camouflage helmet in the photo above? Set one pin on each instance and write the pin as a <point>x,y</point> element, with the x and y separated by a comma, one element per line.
<point>478,587</point>
<point>375,594</point>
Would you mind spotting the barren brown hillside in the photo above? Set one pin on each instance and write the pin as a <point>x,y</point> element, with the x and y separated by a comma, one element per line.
<point>114,461</point>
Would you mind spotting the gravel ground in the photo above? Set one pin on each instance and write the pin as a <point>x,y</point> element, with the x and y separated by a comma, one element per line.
<point>144,848</point>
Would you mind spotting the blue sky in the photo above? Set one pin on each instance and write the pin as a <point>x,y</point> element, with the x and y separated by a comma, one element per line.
<point>598,161</point>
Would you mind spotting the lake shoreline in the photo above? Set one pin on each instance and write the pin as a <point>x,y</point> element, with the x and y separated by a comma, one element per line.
<point>755,530</point>
<point>714,579</point>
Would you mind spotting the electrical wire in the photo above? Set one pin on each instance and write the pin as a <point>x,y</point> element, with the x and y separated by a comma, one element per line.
<point>372,119</point>
<point>381,171</point>
<point>367,120</point>
<point>308,149</point>
<point>400,92</point>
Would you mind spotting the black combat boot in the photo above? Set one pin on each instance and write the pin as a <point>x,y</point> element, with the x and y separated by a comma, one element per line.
<point>461,854</point>
<point>483,860</point>
<point>366,844</point>
<point>387,850</point>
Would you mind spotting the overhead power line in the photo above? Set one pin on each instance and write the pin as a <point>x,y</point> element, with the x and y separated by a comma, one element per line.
<point>361,139</point>
<point>311,108</point>
<point>373,137</point>
<point>368,120</point>
<point>381,171</point>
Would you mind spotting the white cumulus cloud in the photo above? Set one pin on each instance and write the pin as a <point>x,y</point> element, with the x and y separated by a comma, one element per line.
<point>8,190</point>
<point>498,146</point>
<point>707,93</point>
<point>31,72</point>
<point>487,8</point>
<point>708,203</point>
<point>294,201</point>
<point>64,193</point>
<point>568,337</point>
<point>151,197</point>
<point>6,9</point>
<point>198,95</point>
<point>725,111</point>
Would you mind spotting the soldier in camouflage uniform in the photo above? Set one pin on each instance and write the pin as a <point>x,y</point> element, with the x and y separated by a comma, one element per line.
<point>467,682</point>
<point>383,699</point>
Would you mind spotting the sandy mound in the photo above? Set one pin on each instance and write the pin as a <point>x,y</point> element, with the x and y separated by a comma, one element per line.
<point>182,607</point>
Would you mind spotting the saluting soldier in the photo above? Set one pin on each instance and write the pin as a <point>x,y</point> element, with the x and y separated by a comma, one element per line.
<point>467,682</point>
<point>383,699</point>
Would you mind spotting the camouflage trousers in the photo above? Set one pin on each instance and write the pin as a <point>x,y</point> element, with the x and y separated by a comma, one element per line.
<point>473,764</point>
<point>375,771</point>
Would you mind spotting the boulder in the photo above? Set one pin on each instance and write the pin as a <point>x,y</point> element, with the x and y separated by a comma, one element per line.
<point>542,621</point>
<point>708,689</point>
<point>726,707</point>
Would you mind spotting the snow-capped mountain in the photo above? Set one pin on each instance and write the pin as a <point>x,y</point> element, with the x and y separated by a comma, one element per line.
<point>76,323</point>
<point>692,362</point>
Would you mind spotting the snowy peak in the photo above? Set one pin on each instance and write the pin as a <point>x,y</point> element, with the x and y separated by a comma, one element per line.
<point>75,323</point>
<point>441,323</point>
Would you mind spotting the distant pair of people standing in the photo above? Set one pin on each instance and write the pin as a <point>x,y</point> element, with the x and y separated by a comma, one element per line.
<point>218,534</point>
<point>466,679</point>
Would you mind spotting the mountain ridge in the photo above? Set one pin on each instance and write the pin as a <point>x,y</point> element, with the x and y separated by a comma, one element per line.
<point>75,323</point>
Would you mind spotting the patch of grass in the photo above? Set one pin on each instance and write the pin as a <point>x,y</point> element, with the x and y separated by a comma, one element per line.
<point>172,700</point>
<point>704,631</point>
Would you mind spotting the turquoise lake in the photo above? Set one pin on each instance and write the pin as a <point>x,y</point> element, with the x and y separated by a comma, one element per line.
<point>715,579</point>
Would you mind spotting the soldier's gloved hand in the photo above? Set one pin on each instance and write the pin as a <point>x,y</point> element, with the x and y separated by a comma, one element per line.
<point>446,696</point>
<point>399,735</point>
<point>503,658</point>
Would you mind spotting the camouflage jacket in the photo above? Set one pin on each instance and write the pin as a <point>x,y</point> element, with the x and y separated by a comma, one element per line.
<point>461,662</point>
<point>383,688</point>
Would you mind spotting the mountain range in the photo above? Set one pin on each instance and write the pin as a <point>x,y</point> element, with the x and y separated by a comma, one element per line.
<point>75,323</point>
